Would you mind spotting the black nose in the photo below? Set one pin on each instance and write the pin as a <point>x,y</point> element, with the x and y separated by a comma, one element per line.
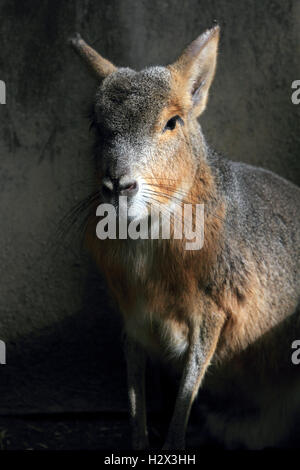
<point>123,186</point>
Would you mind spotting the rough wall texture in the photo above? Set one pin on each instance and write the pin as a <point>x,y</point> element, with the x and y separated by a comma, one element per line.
<point>63,341</point>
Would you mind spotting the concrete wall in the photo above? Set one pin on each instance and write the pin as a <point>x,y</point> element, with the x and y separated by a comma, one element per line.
<point>63,341</point>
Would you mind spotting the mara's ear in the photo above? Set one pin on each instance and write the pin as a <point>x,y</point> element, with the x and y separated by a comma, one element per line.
<point>98,65</point>
<point>196,68</point>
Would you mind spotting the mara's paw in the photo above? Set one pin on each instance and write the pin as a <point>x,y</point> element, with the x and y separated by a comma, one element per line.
<point>140,444</point>
<point>173,445</point>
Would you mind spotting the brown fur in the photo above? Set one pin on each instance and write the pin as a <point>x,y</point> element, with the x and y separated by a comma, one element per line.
<point>190,308</point>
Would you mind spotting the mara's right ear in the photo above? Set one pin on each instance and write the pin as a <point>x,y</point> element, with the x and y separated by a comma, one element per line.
<point>196,67</point>
<point>98,65</point>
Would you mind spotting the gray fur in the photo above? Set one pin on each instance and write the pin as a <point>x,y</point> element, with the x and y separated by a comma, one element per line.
<point>261,229</point>
<point>126,109</point>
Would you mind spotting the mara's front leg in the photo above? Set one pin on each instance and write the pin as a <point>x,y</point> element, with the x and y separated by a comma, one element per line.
<point>203,339</point>
<point>136,365</point>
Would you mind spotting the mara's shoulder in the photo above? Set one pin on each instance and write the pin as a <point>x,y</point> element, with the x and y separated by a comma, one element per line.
<point>236,177</point>
<point>260,204</point>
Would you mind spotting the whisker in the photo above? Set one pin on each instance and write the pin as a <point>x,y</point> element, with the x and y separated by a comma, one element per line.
<point>189,202</point>
<point>72,217</point>
<point>164,209</point>
<point>176,190</point>
<point>172,196</point>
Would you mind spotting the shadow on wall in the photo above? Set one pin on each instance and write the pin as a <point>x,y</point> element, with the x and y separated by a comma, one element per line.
<point>75,365</point>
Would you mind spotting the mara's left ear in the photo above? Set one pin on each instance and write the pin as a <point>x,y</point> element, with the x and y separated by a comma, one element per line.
<point>196,67</point>
<point>100,66</point>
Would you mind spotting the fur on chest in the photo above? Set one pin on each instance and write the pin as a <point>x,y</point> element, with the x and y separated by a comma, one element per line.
<point>158,287</point>
<point>155,292</point>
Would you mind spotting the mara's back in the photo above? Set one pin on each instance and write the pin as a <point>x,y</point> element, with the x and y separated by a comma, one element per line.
<point>263,219</point>
<point>263,215</point>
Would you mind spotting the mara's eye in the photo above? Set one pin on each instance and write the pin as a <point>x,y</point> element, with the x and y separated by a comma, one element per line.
<point>171,124</point>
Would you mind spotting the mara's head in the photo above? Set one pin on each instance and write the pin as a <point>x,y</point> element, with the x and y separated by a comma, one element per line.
<point>148,141</point>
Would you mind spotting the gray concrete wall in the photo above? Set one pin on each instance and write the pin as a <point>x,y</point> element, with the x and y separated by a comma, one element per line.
<point>63,341</point>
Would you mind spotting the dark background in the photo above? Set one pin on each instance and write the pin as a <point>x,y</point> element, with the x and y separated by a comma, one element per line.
<point>62,335</point>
